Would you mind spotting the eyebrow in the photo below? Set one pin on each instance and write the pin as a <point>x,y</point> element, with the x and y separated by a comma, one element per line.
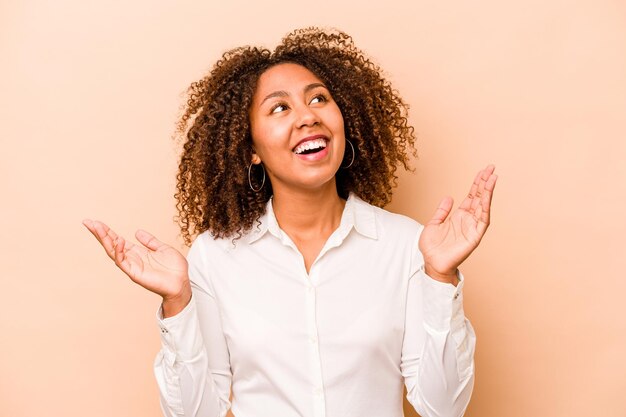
<point>282,93</point>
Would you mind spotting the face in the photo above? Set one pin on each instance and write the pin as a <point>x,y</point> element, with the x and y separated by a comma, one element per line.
<point>297,129</point>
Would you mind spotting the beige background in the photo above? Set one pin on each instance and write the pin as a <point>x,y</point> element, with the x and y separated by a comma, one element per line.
<point>89,92</point>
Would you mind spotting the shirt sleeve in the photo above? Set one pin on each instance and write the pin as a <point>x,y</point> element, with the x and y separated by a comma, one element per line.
<point>193,367</point>
<point>438,348</point>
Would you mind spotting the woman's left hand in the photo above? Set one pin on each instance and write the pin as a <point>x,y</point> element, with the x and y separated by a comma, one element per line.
<point>448,239</point>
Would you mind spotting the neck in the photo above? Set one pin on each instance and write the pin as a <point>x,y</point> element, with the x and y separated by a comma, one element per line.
<point>308,213</point>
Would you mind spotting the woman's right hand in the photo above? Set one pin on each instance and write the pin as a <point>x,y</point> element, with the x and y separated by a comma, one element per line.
<point>155,266</point>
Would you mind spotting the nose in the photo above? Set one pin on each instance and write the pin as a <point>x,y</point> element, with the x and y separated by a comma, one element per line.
<point>306,116</point>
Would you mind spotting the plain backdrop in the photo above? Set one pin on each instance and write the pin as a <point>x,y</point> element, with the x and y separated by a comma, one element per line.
<point>90,92</point>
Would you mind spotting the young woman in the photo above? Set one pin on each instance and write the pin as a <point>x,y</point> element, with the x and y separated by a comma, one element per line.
<point>299,295</point>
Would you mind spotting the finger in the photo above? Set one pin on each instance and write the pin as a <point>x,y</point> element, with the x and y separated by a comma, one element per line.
<point>484,176</point>
<point>489,169</point>
<point>491,182</point>
<point>99,228</point>
<point>466,204</point>
<point>103,234</point>
<point>120,256</point>
<point>478,196</point>
<point>118,250</point>
<point>485,204</point>
<point>148,240</point>
<point>442,211</point>
<point>89,225</point>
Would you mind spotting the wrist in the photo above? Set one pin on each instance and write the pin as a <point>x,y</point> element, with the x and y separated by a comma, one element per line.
<point>448,277</point>
<point>172,305</point>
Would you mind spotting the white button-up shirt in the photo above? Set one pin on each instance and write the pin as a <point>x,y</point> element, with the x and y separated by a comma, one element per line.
<point>337,342</point>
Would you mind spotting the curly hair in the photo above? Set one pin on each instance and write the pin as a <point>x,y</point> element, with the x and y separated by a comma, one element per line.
<point>213,191</point>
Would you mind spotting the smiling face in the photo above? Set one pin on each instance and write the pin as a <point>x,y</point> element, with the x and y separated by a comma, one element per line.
<point>297,129</point>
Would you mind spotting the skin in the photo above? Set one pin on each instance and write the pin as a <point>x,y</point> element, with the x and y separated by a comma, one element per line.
<point>289,105</point>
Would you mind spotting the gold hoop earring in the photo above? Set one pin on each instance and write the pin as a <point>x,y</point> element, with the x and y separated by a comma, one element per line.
<point>353,155</point>
<point>256,190</point>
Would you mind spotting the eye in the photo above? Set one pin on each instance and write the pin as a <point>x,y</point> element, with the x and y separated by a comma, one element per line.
<point>320,98</point>
<point>278,107</point>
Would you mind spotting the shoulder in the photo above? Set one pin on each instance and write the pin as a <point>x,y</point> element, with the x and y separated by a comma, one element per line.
<point>397,234</point>
<point>390,221</point>
<point>206,256</point>
<point>388,225</point>
<point>397,226</point>
<point>395,220</point>
<point>205,245</point>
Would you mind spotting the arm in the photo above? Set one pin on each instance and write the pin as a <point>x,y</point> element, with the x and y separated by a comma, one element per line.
<point>438,348</point>
<point>193,367</point>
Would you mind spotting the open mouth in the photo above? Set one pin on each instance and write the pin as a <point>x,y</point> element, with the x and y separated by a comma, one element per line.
<point>310,146</point>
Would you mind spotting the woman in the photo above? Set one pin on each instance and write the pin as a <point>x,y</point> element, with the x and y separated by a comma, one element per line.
<point>300,295</point>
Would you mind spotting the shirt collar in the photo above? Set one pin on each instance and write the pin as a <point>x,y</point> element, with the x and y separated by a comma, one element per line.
<point>360,215</point>
<point>356,213</point>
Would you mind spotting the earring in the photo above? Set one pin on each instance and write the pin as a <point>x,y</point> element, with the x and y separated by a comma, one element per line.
<point>353,155</point>
<point>256,190</point>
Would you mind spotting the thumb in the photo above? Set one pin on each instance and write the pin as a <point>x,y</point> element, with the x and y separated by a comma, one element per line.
<point>442,211</point>
<point>148,240</point>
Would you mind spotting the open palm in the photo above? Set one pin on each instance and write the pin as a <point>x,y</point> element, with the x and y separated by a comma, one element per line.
<point>448,239</point>
<point>154,265</point>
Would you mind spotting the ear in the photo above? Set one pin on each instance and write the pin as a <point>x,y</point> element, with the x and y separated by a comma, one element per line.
<point>256,159</point>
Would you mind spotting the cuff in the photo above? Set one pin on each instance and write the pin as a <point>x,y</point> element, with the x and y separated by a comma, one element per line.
<point>443,303</point>
<point>180,334</point>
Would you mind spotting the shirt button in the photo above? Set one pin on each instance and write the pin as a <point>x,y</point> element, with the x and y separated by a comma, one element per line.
<point>313,339</point>
<point>317,391</point>
<point>163,330</point>
<point>456,296</point>
<point>310,290</point>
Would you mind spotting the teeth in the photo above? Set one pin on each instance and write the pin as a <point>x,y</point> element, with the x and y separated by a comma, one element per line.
<point>311,144</point>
